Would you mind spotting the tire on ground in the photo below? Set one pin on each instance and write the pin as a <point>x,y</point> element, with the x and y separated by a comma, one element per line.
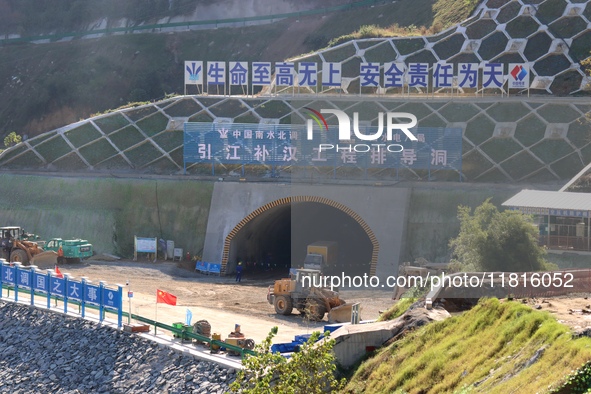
<point>283,305</point>
<point>315,309</point>
<point>20,256</point>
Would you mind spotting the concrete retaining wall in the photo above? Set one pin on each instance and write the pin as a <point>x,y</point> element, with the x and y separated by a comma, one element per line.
<point>108,211</point>
<point>382,208</point>
<point>432,215</point>
<point>408,221</point>
<point>353,342</point>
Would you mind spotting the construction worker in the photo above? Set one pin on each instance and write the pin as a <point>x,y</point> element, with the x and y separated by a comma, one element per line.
<point>60,255</point>
<point>239,271</point>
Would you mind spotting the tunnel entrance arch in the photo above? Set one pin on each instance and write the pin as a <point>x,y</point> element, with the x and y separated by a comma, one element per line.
<point>280,230</point>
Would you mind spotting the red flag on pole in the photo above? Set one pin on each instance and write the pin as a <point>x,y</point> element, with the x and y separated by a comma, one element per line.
<point>164,297</point>
<point>58,273</point>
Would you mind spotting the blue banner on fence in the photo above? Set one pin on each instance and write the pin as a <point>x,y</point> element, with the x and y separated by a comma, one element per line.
<point>24,279</point>
<point>57,286</point>
<point>289,145</point>
<point>92,294</point>
<point>41,283</point>
<point>60,288</point>
<point>8,274</point>
<point>214,268</point>
<point>208,268</point>
<point>75,290</point>
<point>201,266</point>
<point>111,298</point>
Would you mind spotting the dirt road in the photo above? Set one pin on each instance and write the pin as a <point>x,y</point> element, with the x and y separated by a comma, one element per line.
<point>573,311</point>
<point>223,302</point>
<point>219,300</point>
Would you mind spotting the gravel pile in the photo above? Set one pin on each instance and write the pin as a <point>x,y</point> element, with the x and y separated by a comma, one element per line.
<point>47,352</point>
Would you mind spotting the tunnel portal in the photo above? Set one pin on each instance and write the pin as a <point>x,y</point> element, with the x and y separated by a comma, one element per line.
<point>275,239</point>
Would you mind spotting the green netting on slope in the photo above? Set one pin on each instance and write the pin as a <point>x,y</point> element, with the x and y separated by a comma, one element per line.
<point>555,113</point>
<point>183,108</point>
<point>550,150</point>
<point>53,148</point>
<point>126,137</point>
<point>98,151</point>
<point>530,130</point>
<point>169,140</point>
<point>82,135</point>
<point>521,165</point>
<point>153,124</point>
<point>112,122</point>
<point>500,149</point>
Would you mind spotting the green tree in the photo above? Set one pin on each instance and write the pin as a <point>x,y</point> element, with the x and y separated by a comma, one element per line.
<point>311,370</point>
<point>490,240</point>
<point>12,139</point>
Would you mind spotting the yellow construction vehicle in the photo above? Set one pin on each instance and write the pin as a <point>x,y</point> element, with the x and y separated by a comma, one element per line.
<point>18,246</point>
<point>303,292</point>
<point>322,256</point>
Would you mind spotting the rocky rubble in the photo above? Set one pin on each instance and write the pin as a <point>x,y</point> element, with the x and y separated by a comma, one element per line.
<point>48,352</point>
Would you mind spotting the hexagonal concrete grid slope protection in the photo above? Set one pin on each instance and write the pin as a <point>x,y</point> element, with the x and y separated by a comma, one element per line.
<point>559,30</point>
<point>513,139</point>
<point>547,140</point>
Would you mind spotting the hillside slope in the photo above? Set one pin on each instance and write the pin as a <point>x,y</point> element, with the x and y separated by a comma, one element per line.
<point>43,87</point>
<point>25,18</point>
<point>494,348</point>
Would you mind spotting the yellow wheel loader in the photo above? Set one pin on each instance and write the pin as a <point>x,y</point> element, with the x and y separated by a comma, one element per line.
<point>302,292</point>
<point>16,246</point>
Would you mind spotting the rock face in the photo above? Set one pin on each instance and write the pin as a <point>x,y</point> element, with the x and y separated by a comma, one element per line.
<point>42,351</point>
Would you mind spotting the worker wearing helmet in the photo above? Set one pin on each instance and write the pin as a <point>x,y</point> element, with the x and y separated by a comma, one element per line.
<point>60,255</point>
<point>239,271</point>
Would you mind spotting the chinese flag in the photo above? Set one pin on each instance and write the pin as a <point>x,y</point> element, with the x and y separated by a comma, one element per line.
<point>164,297</point>
<point>58,273</point>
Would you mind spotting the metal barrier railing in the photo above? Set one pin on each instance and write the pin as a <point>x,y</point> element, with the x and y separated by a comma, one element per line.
<point>182,333</point>
<point>565,242</point>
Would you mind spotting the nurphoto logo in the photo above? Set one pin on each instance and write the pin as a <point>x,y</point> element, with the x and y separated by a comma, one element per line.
<point>392,123</point>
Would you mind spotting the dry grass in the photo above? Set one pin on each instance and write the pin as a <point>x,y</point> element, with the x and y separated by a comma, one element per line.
<point>397,309</point>
<point>445,13</point>
<point>395,30</point>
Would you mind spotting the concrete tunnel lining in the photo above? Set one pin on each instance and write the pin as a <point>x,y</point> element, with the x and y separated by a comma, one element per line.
<point>286,226</point>
<point>266,234</point>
